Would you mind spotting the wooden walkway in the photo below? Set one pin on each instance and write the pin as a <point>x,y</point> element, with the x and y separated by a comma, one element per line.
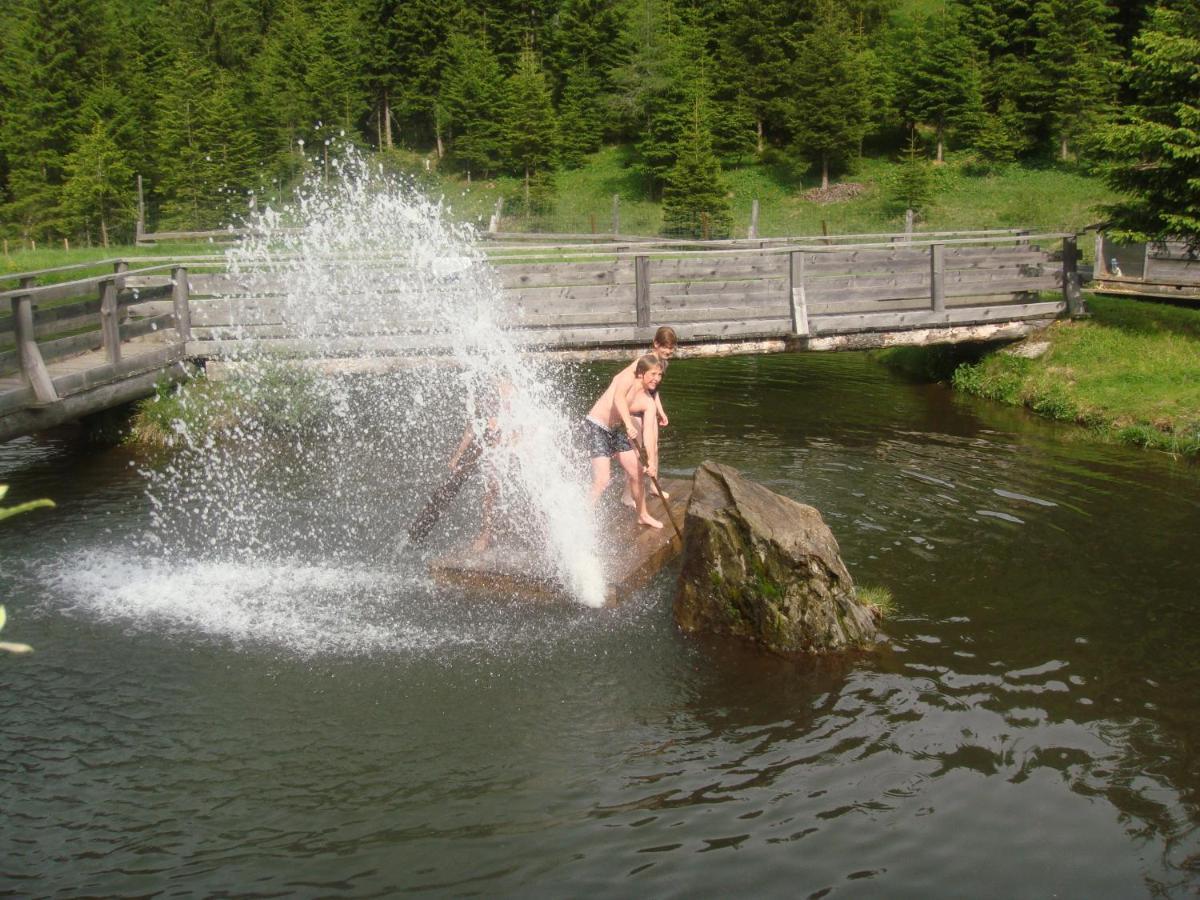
<point>637,555</point>
<point>77,347</point>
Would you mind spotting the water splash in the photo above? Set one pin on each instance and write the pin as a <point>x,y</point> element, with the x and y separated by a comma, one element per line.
<point>332,467</point>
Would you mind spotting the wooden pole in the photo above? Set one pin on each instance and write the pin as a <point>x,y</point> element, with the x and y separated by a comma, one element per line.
<point>494,224</point>
<point>119,267</point>
<point>908,224</point>
<point>141,212</point>
<point>641,273</point>
<point>110,329</point>
<point>181,297</point>
<point>1101,267</point>
<point>752,232</point>
<point>33,367</point>
<point>798,296</point>
<point>1070,278</point>
<point>616,215</point>
<point>937,277</point>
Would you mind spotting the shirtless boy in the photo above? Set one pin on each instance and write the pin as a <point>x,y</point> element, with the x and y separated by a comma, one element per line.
<point>664,348</point>
<point>610,431</point>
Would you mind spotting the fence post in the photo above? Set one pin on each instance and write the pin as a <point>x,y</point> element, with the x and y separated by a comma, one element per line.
<point>937,277</point>
<point>110,329</point>
<point>798,296</point>
<point>1070,278</point>
<point>641,276</point>
<point>1100,269</point>
<point>494,224</point>
<point>752,232</point>
<point>908,224</point>
<point>33,367</point>
<point>120,267</point>
<point>181,297</point>
<point>616,223</point>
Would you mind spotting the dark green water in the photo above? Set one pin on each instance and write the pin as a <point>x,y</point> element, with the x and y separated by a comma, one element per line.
<point>1030,727</point>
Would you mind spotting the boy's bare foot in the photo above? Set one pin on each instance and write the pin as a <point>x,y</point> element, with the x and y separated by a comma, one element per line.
<point>655,492</point>
<point>648,519</point>
<point>627,499</point>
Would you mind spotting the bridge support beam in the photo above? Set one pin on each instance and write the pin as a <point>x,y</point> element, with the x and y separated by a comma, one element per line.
<point>110,328</point>
<point>641,277</point>
<point>33,367</point>
<point>937,277</point>
<point>797,293</point>
<point>181,297</point>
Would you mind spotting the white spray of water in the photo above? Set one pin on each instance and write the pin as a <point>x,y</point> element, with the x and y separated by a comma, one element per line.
<point>360,263</point>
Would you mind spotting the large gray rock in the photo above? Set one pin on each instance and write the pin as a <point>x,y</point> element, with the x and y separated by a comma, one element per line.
<point>764,567</point>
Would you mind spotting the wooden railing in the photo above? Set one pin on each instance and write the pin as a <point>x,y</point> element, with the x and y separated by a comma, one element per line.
<point>67,318</point>
<point>567,295</point>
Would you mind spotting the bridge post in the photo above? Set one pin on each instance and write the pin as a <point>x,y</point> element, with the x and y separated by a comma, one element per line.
<point>797,293</point>
<point>1070,278</point>
<point>119,267</point>
<point>181,296</point>
<point>110,329</point>
<point>937,277</point>
<point>33,367</point>
<point>616,215</point>
<point>752,231</point>
<point>641,276</point>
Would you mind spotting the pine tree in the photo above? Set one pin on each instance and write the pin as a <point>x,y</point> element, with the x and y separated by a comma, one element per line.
<point>98,192</point>
<point>51,65</point>
<point>206,151</point>
<point>472,93</point>
<point>695,201</point>
<point>913,185</point>
<point>580,117</point>
<point>1152,151</point>
<point>679,78</point>
<point>940,85</point>
<point>1001,136</point>
<point>828,115</point>
<point>1073,52</point>
<point>530,129</point>
<point>756,51</point>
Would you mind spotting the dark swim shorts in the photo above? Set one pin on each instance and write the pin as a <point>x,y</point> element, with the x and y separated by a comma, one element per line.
<point>603,441</point>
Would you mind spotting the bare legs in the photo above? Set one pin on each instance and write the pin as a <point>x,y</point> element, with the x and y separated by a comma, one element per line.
<point>602,475</point>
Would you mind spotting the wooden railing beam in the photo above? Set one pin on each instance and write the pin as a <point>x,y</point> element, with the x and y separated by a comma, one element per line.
<point>181,298</point>
<point>33,367</point>
<point>110,327</point>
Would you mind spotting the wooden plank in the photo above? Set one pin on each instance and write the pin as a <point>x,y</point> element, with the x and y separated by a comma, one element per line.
<point>919,303</point>
<point>612,293</point>
<point>815,265</point>
<point>638,554</point>
<point>751,303</point>
<point>832,324</point>
<point>744,286</point>
<point>1172,270</point>
<point>718,267</point>
<point>520,276</point>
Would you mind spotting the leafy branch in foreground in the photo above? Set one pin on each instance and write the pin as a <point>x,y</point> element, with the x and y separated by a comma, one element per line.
<point>6,512</point>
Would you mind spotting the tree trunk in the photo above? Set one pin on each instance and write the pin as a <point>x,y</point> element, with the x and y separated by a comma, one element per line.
<point>940,144</point>
<point>1063,154</point>
<point>437,133</point>
<point>527,192</point>
<point>824,171</point>
<point>387,122</point>
<point>760,136</point>
<point>103,233</point>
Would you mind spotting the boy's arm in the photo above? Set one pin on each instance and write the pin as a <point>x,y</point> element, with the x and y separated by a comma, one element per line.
<point>663,421</point>
<point>621,385</point>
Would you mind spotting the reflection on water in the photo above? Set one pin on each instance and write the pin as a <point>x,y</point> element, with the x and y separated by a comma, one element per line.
<point>340,726</point>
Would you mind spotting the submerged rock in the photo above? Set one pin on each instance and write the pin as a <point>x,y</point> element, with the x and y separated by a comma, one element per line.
<point>764,567</point>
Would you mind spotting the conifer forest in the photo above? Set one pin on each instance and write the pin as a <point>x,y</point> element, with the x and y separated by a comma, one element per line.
<point>212,101</point>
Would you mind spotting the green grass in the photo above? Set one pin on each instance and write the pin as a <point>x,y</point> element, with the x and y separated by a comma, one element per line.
<point>1131,372</point>
<point>1045,199</point>
<point>26,260</point>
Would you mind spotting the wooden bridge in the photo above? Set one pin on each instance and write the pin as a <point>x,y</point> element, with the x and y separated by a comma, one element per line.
<point>72,348</point>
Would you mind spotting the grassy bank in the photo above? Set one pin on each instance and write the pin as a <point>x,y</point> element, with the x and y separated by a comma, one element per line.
<point>1129,373</point>
<point>1046,199</point>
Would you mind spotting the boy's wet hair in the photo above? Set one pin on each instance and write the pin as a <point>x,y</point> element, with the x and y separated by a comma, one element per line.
<point>666,337</point>
<point>646,363</point>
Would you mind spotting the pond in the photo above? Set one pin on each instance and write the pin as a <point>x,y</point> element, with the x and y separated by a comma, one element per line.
<point>326,722</point>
